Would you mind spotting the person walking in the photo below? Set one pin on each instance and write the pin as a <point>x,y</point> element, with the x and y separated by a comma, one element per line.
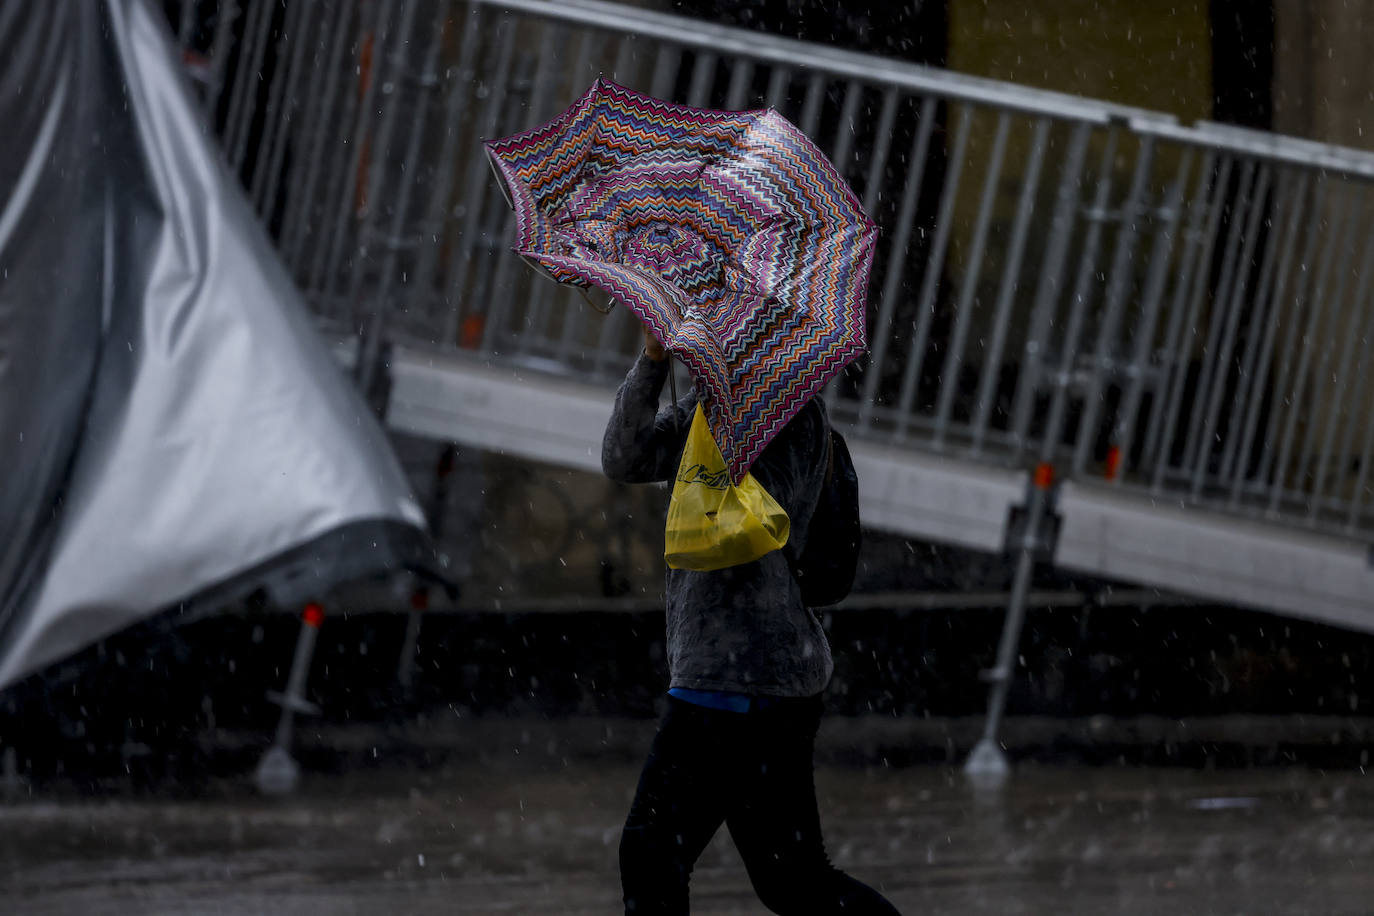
<point>748,662</point>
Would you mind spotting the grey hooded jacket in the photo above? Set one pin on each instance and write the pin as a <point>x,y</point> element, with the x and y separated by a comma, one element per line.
<point>743,629</point>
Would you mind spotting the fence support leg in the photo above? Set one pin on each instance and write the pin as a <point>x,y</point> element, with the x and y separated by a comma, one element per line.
<point>278,773</point>
<point>987,761</point>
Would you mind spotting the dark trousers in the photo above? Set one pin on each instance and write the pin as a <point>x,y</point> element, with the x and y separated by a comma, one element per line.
<point>753,772</point>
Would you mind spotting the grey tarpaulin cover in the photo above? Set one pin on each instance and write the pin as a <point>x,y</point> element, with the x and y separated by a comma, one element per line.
<point>170,421</point>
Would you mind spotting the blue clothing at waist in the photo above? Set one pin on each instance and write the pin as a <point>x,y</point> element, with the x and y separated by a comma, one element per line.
<point>722,699</point>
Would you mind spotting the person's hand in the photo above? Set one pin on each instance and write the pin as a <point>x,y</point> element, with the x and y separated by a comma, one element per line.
<point>652,348</point>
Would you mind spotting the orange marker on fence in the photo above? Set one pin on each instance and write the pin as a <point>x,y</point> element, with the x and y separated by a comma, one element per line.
<point>1044,476</point>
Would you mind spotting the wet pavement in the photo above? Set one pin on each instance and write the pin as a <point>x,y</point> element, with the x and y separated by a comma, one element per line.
<point>520,836</point>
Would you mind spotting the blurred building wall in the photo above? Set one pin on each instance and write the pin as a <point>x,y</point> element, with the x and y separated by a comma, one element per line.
<point>1323,71</point>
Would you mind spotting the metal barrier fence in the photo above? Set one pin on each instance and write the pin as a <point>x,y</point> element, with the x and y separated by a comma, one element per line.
<point>1178,310</point>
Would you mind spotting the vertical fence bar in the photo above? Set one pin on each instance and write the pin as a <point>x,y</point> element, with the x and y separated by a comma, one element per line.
<point>1366,458</point>
<point>778,81</point>
<point>1357,496</point>
<point>1319,375</point>
<point>1178,379</point>
<point>1123,438</point>
<point>272,125</point>
<point>245,87</point>
<point>1049,288</point>
<point>277,135</point>
<point>703,79</point>
<point>1354,327</point>
<point>306,118</point>
<point>1232,307</point>
<point>992,362</point>
<point>811,107</point>
<point>498,230</point>
<point>1132,211</point>
<point>954,357</point>
<point>543,291</point>
<point>666,66</point>
<point>842,148</point>
<point>1241,204</point>
<point>388,59</point>
<point>1078,302</point>
<point>896,260</point>
<point>1190,256</point>
<point>1299,293</point>
<point>370,344</point>
<point>253,10</point>
<point>737,95</point>
<point>873,183</point>
<point>1251,384</point>
<point>330,250</point>
<point>460,259</point>
<point>930,283</point>
<point>882,139</point>
<point>440,204</point>
<point>1359,412</point>
<point>298,219</point>
<point>1305,358</point>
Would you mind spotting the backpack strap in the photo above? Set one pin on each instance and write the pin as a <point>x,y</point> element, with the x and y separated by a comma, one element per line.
<point>787,550</point>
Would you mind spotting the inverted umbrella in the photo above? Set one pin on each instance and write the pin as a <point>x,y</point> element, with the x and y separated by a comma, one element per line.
<point>728,233</point>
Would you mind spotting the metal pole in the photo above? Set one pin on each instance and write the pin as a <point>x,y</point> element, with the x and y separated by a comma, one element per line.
<point>277,772</point>
<point>987,759</point>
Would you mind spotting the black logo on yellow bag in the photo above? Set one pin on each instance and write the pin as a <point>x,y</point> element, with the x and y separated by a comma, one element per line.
<point>700,473</point>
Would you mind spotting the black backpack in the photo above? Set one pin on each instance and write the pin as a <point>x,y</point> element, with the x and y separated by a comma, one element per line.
<point>825,569</point>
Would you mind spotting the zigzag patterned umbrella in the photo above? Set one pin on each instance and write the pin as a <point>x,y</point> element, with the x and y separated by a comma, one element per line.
<point>728,233</point>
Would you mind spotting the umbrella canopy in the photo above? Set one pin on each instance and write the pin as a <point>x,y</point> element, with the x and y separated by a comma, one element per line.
<point>728,233</point>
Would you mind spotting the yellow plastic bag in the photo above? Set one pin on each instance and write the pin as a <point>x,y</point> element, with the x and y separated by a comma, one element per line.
<point>712,523</point>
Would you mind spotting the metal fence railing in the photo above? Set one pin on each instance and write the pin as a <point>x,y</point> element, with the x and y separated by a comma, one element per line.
<point>1176,309</point>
